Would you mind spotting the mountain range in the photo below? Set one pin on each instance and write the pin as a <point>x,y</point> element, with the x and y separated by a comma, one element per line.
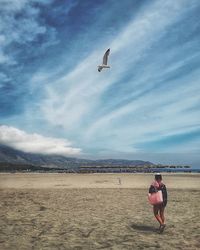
<point>12,156</point>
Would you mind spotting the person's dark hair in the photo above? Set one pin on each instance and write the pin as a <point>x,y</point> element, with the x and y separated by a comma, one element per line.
<point>158,177</point>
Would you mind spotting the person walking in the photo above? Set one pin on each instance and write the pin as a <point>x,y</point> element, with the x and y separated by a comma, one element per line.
<point>158,209</point>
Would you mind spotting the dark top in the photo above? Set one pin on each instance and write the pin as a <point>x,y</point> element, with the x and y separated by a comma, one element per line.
<point>161,187</point>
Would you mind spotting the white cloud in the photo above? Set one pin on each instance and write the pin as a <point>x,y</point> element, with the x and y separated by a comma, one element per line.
<point>35,143</point>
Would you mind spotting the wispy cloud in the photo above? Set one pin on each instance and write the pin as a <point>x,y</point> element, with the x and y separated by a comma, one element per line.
<point>20,23</point>
<point>148,101</point>
<point>149,105</point>
<point>35,143</point>
<point>24,36</point>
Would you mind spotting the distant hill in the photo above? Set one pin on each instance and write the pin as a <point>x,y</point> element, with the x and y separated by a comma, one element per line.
<point>12,156</point>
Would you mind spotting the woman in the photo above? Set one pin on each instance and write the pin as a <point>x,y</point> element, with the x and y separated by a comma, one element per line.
<point>159,208</point>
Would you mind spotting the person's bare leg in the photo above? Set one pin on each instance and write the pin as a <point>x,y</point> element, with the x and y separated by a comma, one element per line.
<point>162,227</point>
<point>162,216</point>
<point>156,214</point>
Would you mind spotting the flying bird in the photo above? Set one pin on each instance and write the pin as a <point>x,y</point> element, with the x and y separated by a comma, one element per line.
<point>105,61</point>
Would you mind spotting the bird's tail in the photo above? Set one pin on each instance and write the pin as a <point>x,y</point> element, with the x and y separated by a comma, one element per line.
<point>99,68</point>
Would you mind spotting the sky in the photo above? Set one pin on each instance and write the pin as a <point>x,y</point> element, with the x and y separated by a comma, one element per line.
<point>54,101</point>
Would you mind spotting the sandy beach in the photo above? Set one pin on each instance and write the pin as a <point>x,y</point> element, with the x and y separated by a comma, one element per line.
<point>96,211</point>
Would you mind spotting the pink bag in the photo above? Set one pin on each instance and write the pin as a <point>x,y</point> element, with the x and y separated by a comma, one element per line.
<point>155,198</point>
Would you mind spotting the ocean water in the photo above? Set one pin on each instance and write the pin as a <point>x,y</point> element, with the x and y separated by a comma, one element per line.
<point>179,170</point>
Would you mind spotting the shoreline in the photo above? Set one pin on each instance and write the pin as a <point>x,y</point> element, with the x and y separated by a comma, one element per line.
<point>96,180</point>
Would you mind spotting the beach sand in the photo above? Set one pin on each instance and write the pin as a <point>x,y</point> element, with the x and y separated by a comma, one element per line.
<point>96,211</point>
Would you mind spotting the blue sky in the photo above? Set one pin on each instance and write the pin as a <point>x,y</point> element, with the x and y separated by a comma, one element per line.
<point>146,106</point>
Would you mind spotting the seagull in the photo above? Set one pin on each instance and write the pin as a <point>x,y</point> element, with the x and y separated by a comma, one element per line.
<point>105,61</point>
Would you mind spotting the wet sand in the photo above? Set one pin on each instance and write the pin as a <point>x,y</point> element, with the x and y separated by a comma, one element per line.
<point>96,211</point>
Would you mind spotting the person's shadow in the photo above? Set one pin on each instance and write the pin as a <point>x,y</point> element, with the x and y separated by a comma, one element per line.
<point>143,228</point>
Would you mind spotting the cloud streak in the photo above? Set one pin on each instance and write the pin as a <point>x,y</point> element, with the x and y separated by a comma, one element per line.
<point>147,102</point>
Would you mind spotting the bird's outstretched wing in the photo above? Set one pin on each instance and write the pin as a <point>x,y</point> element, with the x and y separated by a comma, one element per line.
<point>105,57</point>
